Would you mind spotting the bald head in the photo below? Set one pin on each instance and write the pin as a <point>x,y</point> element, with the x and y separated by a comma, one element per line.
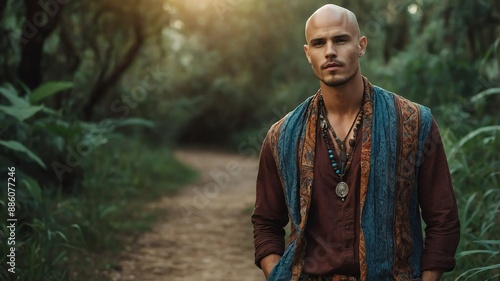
<point>332,15</point>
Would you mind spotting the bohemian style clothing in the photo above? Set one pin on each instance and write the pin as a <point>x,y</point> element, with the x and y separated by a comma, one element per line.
<point>398,166</point>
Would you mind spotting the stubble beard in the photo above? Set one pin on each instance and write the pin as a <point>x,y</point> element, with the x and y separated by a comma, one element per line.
<point>333,82</point>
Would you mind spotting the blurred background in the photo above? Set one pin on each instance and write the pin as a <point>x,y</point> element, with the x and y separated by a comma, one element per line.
<point>95,96</point>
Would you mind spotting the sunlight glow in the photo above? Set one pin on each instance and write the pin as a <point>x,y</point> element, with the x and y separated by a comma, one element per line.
<point>178,24</point>
<point>413,9</point>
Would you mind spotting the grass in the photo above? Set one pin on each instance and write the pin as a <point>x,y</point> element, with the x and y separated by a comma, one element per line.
<point>472,149</point>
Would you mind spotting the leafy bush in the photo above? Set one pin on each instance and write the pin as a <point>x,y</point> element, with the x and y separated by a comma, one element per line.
<point>471,141</point>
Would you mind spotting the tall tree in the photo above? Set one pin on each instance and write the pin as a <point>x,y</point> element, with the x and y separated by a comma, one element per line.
<point>40,20</point>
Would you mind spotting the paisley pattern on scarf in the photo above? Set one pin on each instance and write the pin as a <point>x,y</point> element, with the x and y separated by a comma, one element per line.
<point>393,132</point>
<point>403,244</point>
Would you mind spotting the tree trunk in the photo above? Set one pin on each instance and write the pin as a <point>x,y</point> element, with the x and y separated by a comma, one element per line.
<point>3,6</point>
<point>38,25</point>
<point>73,59</point>
<point>104,84</point>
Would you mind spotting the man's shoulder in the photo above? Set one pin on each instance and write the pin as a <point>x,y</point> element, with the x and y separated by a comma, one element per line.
<point>275,128</point>
<point>399,98</point>
<point>296,112</point>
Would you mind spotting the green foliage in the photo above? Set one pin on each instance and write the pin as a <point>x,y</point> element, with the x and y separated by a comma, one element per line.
<point>48,89</point>
<point>19,108</point>
<point>29,141</point>
<point>56,142</point>
<point>19,147</point>
<point>470,140</point>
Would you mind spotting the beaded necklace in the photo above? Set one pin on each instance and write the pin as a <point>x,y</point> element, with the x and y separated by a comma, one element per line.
<point>345,157</point>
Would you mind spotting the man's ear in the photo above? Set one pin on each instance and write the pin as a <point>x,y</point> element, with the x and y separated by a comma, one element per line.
<point>306,50</point>
<point>363,42</point>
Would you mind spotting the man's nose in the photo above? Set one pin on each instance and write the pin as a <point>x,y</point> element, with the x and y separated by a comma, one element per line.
<point>331,51</point>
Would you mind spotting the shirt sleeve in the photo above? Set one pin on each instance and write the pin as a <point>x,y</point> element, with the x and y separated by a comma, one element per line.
<point>438,206</point>
<point>270,214</point>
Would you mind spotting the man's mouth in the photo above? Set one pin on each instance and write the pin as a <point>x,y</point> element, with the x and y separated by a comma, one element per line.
<point>332,65</point>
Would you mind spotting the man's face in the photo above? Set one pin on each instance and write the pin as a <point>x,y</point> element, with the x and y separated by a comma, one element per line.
<point>333,49</point>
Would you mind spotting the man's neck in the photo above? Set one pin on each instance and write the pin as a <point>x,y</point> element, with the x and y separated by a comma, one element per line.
<point>345,100</point>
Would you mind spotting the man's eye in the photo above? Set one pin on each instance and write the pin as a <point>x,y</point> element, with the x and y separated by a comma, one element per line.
<point>341,40</point>
<point>317,43</point>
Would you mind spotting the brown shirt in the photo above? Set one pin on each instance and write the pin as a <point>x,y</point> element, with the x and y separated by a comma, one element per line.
<point>333,226</point>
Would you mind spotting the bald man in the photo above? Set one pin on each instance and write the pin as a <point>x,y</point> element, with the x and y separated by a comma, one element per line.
<point>353,170</point>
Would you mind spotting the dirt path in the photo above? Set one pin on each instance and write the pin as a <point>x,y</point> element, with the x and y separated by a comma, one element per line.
<point>207,234</point>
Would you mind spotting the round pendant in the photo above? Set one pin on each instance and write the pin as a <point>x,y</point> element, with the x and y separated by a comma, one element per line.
<point>342,189</point>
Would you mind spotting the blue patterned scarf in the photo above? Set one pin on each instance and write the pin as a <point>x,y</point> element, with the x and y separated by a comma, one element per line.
<point>394,131</point>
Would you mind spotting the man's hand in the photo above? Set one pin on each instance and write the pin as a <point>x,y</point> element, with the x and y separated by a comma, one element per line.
<point>267,264</point>
<point>431,275</point>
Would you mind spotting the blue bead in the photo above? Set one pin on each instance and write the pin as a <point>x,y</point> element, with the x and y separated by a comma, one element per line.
<point>330,151</point>
<point>331,156</point>
<point>334,164</point>
<point>338,172</point>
